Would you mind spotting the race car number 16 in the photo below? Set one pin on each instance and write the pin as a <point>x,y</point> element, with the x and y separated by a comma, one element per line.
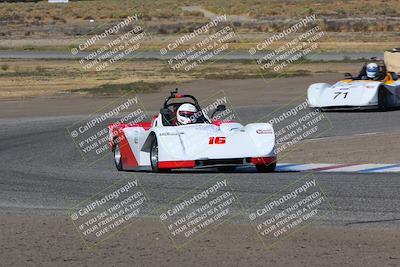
<point>216,140</point>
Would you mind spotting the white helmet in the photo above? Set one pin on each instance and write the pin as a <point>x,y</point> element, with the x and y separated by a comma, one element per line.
<point>372,70</point>
<point>186,114</point>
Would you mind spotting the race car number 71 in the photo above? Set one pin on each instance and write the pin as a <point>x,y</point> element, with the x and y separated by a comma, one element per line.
<point>339,93</point>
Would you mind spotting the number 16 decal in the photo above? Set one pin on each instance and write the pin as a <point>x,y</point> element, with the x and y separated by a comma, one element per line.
<point>216,140</point>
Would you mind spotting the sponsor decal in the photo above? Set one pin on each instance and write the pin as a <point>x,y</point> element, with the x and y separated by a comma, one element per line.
<point>171,133</point>
<point>263,131</point>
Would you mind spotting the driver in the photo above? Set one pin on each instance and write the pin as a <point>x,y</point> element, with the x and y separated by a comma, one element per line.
<point>372,71</point>
<point>186,114</point>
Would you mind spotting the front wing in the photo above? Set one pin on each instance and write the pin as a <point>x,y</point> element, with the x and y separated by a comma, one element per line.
<point>343,95</point>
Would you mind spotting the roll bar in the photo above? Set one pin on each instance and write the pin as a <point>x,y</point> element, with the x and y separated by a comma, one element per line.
<point>176,95</point>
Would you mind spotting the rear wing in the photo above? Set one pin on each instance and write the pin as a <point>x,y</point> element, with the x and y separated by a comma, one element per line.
<point>392,60</point>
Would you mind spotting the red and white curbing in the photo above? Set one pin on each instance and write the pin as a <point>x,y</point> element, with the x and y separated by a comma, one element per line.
<point>326,167</point>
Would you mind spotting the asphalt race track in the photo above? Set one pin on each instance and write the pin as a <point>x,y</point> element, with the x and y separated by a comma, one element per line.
<point>101,100</point>
<point>43,178</point>
<point>42,172</point>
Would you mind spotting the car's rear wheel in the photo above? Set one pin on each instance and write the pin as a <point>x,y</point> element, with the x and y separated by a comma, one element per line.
<point>118,158</point>
<point>382,100</point>
<point>154,157</point>
<point>266,167</point>
<point>227,168</point>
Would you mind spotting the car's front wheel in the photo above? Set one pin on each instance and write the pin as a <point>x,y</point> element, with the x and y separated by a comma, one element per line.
<point>266,167</point>
<point>154,157</point>
<point>382,100</point>
<point>118,158</point>
<point>316,109</point>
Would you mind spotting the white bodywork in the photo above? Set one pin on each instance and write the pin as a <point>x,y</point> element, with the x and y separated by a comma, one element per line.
<point>192,142</point>
<point>352,94</point>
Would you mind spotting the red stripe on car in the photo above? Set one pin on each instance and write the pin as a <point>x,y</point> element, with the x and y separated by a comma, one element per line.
<point>176,164</point>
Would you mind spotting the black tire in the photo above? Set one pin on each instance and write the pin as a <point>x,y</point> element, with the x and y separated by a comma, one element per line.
<point>266,168</point>
<point>154,157</point>
<point>227,168</point>
<point>382,100</point>
<point>316,109</point>
<point>118,158</point>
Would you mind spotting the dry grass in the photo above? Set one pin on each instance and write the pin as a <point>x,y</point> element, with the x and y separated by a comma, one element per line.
<point>170,9</point>
<point>166,16</point>
<point>296,8</point>
<point>40,77</point>
<point>45,26</point>
<point>30,78</point>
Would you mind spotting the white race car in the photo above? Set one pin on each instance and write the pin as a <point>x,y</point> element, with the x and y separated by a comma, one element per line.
<point>162,145</point>
<point>360,92</point>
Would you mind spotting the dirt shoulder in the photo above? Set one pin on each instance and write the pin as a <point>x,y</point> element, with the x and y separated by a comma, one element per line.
<point>240,92</point>
<point>350,150</point>
<point>65,78</point>
<point>52,240</point>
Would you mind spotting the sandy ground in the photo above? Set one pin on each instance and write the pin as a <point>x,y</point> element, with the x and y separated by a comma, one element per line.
<point>58,78</point>
<point>332,42</point>
<point>350,150</point>
<point>246,92</point>
<point>53,241</point>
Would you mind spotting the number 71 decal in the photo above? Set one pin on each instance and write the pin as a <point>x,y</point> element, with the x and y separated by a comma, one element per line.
<point>339,93</point>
